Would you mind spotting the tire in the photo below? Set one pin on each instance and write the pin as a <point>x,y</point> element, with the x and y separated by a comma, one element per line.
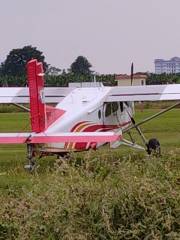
<point>153,147</point>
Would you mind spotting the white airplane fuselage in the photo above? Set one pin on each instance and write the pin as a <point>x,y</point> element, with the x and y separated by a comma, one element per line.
<point>86,111</point>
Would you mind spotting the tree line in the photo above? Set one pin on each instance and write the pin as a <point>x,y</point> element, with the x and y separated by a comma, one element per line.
<point>13,71</point>
<point>163,78</point>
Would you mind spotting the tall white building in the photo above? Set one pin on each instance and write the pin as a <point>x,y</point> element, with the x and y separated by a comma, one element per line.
<point>167,66</point>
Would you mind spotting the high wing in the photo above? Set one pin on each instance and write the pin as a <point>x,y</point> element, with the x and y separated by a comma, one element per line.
<point>21,94</point>
<point>130,93</point>
<point>97,137</point>
<point>144,93</point>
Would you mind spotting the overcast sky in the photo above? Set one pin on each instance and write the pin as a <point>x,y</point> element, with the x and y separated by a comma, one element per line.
<point>110,33</point>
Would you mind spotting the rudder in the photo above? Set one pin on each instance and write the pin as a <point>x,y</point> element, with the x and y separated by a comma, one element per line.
<point>36,92</point>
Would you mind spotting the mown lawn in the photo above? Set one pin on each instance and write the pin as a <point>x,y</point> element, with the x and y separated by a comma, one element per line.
<point>107,194</point>
<point>166,127</point>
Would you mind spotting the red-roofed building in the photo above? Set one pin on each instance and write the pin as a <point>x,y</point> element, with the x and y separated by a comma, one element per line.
<point>139,79</point>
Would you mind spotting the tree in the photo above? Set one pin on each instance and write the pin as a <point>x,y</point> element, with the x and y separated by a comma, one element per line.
<point>15,63</point>
<point>0,69</point>
<point>162,78</point>
<point>81,66</point>
<point>53,71</point>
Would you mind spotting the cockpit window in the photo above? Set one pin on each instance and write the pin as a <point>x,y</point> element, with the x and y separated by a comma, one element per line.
<point>111,108</point>
<point>99,114</point>
<point>127,104</point>
<point>108,110</point>
<point>121,106</point>
<point>114,107</point>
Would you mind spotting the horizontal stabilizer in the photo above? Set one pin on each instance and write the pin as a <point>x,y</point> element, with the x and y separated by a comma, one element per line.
<point>14,138</point>
<point>97,137</point>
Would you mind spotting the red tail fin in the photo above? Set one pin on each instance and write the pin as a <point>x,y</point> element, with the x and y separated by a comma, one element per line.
<point>42,116</point>
<point>37,105</point>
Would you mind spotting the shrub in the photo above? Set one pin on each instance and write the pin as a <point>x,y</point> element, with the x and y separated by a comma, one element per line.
<point>104,196</point>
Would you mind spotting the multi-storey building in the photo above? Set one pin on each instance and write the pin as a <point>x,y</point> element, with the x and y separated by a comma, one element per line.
<point>167,66</point>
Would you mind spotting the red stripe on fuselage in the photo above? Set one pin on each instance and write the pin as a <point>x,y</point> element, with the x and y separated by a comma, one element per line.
<point>75,126</point>
<point>94,128</point>
<point>83,145</point>
<point>74,129</point>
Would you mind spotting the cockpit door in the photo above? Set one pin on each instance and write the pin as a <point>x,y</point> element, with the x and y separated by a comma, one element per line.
<point>110,113</point>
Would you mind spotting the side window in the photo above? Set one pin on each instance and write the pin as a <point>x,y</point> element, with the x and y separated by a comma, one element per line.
<point>108,109</point>
<point>121,106</point>
<point>127,104</point>
<point>114,107</point>
<point>99,114</point>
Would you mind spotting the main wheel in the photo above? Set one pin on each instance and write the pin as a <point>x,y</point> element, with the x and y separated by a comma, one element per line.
<point>153,147</point>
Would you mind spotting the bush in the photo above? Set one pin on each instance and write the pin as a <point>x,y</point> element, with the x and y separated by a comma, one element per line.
<point>103,196</point>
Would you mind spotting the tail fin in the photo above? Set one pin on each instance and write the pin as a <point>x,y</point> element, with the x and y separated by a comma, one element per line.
<point>42,116</point>
<point>36,87</point>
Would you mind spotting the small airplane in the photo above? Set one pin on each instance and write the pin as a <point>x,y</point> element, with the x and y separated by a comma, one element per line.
<point>83,119</point>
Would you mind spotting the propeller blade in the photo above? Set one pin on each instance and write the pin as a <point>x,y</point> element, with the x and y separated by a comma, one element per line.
<point>132,73</point>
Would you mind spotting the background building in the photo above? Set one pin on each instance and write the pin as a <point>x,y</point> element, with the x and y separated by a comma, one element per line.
<point>167,66</point>
<point>125,80</point>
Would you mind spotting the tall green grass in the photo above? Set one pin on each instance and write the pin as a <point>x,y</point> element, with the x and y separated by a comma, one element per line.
<point>104,194</point>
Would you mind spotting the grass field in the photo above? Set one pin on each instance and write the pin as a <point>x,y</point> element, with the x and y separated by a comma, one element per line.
<point>107,194</point>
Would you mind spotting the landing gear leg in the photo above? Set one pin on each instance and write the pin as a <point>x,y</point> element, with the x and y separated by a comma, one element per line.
<point>30,158</point>
<point>152,146</point>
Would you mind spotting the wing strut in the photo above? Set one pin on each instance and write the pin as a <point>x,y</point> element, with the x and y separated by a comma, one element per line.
<point>137,128</point>
<point>135,125</point>
<point>21,107</point>
<point>153,144</point>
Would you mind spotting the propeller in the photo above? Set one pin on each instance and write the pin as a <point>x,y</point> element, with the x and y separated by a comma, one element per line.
<point>132,73</point>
